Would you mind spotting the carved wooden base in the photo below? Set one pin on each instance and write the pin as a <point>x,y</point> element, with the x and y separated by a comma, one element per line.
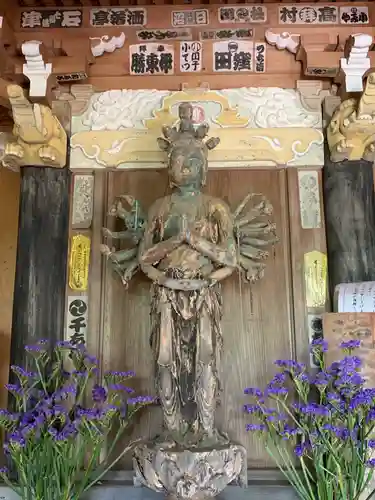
<point>190,474</point>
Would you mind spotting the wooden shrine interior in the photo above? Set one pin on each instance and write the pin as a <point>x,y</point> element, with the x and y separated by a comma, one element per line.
<point>261,322</point>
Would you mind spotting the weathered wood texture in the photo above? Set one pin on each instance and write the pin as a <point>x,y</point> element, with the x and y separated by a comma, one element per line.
<point>302,241</point>
<point>112,71</point>
<point>256,322</point>
<point>9,199</point>
<point>350,219</point>
<point>39,294</point>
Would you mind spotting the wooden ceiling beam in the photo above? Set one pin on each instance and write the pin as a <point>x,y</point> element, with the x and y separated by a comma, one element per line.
<point>174,82</point>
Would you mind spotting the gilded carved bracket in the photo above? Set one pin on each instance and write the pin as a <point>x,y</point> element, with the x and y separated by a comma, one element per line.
<point>351,132</point>
<point>38,137</point>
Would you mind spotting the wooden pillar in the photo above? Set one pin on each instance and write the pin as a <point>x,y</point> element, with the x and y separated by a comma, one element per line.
<point>40,278</point>
<point>350,221</point>
<point>40,283</point>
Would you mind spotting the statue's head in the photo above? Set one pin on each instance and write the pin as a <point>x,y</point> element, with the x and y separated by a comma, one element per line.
<point>187,149</point>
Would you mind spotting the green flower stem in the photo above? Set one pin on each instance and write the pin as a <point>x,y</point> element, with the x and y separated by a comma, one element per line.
<point>117,459</point>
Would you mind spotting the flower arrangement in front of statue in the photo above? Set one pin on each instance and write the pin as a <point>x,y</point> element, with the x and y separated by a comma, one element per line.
<point>54,441</point>
<point>319,428</point>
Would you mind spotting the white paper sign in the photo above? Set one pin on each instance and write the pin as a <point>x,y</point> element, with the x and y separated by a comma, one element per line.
<point>191,57</point>
<point>151,59</point>
<point>308,14</point>
<point>356,297</point>
<point>77,318</point>
<point>233,55</point>
<point>309,199</point>
<point>195,17</point>
<point>354,15</point>
<point>260,57</point>
<point>242,14</point>
<point>83,198</point>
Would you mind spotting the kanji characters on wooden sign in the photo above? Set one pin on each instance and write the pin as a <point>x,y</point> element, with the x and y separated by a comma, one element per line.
<point>233,55</point>
<point>195,17</point>
<point>354,15</point>
<point>118,16</point>
<point>243,14</point>
<point>51,19</point>
<point>190,57</point>
<point>151,59</point>
<point>161,35</point>
<point>227,34</point>
<point>308,14</point>
<point>77,319</point>
<point>260,57</point>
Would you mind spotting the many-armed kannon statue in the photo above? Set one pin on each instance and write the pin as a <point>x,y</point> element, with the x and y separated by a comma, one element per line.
<point>187,244</point>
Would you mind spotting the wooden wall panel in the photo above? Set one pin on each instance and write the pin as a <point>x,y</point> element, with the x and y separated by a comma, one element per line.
<point>9,199</point>
<point>301,242</point>
<point>257,329</point>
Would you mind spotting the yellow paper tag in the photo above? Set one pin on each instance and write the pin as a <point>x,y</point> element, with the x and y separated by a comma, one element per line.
<point>79,262</point>
<point>315,267</point>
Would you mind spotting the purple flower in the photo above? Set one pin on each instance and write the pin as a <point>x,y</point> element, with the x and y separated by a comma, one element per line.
<point>141,400</point>
<point>371,443</point>
<point>4,470</point>
<point>299,450</point>
<point>302,377</point>
<point>99,394</point>
<point>255,427</point>
<point>348,378</point>
<point>349,364</point>
<point>371,463</point>
<point>279,378</point>
<point>16,439</point>
<point>65,344</point>
<point>18,370</point>
<point>334,397</point>
<point>91,359</point>
<point>253,391</point>
<point>121,387</point>
<point>14,389</point>
<point>88,413</point>
<point>312,409</point>
<point>350,344</point>
<point>275,391</point>
<point>289,431</point>
<point>322,379</point>
<point>319,345</point>
<point>362,398</point>
<point>80,373</point>
<point>8,416</point>
<point>252,408</point>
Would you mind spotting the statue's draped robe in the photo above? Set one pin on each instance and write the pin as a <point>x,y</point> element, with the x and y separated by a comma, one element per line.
<point>186,335</point>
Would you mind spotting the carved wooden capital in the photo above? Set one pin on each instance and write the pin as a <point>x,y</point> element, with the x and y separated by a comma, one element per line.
<point>351,132</point>
<point>78,97</point>
<point>38,137</point>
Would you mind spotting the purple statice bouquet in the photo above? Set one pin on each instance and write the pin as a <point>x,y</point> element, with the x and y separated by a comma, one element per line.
<point>319,428</point>
<point>55,439</point>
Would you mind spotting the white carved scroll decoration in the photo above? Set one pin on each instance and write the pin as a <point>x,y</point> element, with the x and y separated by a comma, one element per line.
<point>283,41</point>
<point>35,69</point>
<point>357,62</point>
<point>102,44</point>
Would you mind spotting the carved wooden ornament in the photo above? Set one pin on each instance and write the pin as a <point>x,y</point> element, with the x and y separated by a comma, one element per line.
<point>38,137</point>
<point>351,133</point>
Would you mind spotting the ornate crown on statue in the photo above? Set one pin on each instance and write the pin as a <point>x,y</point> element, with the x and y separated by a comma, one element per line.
<point>186,134</point>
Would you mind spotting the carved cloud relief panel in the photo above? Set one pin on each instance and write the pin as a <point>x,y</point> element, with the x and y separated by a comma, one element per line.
<point>256,126</point>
